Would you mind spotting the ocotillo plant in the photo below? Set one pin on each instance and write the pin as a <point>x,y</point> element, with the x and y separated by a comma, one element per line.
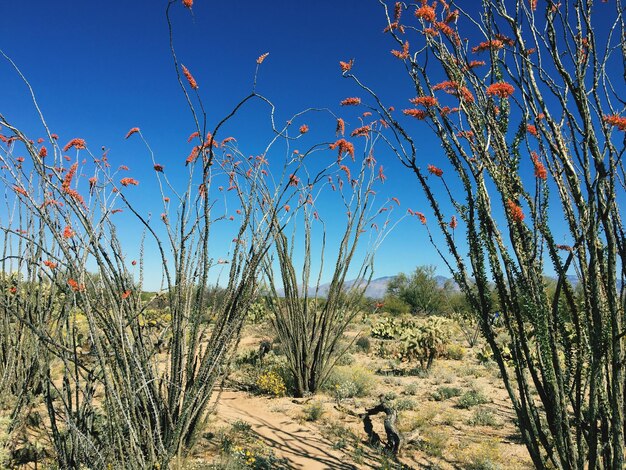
<point>310,322</point>
<point>123,390</point>
<point>526,99</point>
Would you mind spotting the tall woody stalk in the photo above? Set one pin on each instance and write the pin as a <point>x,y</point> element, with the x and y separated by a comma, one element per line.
<point>531,120</point>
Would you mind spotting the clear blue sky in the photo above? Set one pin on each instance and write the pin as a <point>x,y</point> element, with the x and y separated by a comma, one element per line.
<point>100,68</point>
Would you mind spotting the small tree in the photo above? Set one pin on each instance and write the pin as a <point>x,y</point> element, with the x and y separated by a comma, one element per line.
<point>420,290</point>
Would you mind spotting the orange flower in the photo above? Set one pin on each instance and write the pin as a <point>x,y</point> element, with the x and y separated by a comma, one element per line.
<point>404,54</point>
<point>540,169</point>
<point>132,131</point>
<point>500,89</point>
<point>426,101</point>
<point>475,63</point>
<point>435,171</point>
<point>397,11</point>
<point>129,181</point>
<point>75,286</point>
<point>125,294</point>
<point>532,130</point>
<point>188,3</point>
<point>261,58</point>
<point>304,129</point>
<point>54,136</point>
<point>347,170</point>
<point>426,12</point>
<point>19,190</point>
<point>381,175</point>
<point>351,102</point>
<point>68,232</point>
<point>396,200</point>
<point>341,127</point>
<point>361,131</point>
<point>78,144</point>
<point>416,113</point>
<point>192,136</point>
<point>616,121</point>
<point>533,4</point>
<point>344,147</point>
<point>50,264</point>
<point>493,44</point>
<point>193,155</point>
<point>293,180</point>
<point>43,152</point>
<point>421,216</point>
<point>192,81</point>
<point>346,66</point>
<point>515,211</point>
<point>287,207</point>
<point>453,222</point>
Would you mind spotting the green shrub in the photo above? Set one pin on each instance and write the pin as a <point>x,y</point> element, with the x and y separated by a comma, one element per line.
<point>405,404</point>
<point>483,417</point>
<point>271,383</point>
<point>455,352</point>
<point>472,398</point>
<point>445,393</point>
<point>350,381</point>
<point>313,411</point>
<point>395,306</point>
<point>364,344</point>
<point>411,389</point>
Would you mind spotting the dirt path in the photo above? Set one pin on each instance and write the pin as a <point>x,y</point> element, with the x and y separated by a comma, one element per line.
<point>300,445</point>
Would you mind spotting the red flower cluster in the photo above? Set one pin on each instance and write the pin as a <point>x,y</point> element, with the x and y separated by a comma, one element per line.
<point>540,169</point>
<point>515,211</point>
<point>351,102</point>
<point>188,3</point>
<point>432,169</point>
<point>454,88</point>
<point>129,181</point>
<point>453,222</point>
<point>426,101</point>
<point>361,131</point>
<point>404,53</point>
<point>293,180</point>
<point>19,190</point>
<point>68,232</point>
<point>50,264</point>
<point>78,144</point>
<point>43,152</point>
<point>532,130</point>
<point>304,129</point>
<point>616,121</point>
<point>346,66</point>
<point>397,11</point>
<point>501,89</point>
<point>261,58</point>
<point>158,168</point>
<point>426,12</point>
<point>493,44</point>
<point>75,286</point>
<point>416,113</point>
<point>131,132</point>
<point>66,185</point>
<point>341,127</point>
<point>192,81</point>
<point>344,147</point>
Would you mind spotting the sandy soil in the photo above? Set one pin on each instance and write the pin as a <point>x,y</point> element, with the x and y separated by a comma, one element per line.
<point>302,446</point>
